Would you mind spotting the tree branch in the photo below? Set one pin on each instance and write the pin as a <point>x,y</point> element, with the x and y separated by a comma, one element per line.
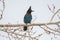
<point>33,24</point>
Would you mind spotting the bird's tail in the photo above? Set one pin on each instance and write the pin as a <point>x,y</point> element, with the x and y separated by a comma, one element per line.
<point>25,28</point>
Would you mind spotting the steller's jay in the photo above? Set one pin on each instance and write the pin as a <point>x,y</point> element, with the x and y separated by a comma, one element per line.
<point>27,17</point>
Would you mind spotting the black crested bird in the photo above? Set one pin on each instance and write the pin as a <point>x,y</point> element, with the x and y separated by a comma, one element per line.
<point>27,17</point>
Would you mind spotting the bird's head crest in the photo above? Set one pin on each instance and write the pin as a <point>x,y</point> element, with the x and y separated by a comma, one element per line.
<point>29,10</point>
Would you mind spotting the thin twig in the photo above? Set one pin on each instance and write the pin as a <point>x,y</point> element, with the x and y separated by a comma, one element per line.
<point>54,15</point>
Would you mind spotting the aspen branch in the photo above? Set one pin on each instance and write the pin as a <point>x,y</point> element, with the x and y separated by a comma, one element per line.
<point>33,24</point>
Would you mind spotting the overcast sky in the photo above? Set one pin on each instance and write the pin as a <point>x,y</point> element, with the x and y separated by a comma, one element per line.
<point>16,9</point>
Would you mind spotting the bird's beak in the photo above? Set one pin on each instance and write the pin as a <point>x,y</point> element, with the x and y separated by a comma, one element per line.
<point>32,10</point>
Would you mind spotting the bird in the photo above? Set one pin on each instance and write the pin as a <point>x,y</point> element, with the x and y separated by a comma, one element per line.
<point>28,17</point>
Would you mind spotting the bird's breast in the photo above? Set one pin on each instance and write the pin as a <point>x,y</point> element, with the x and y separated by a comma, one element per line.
<point>27,18</point>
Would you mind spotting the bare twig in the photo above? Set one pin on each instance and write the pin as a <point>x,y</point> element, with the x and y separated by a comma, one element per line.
<point>53,11</point>
<point>52,29</point>
<point>58,16</point>
<point>54,15</point>
<point>2,10</point>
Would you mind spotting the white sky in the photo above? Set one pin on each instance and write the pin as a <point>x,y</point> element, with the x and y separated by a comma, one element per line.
<point>16,9</point>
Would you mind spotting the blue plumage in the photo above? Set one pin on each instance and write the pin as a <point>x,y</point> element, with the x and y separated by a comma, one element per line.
<point>27,19</point>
